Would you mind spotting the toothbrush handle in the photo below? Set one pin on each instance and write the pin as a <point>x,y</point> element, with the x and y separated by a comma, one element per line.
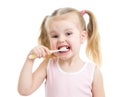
<point>32,56</point>
<point>54,51</point>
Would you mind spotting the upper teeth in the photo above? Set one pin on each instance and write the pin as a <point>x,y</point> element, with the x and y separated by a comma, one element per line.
<point>63,49</point>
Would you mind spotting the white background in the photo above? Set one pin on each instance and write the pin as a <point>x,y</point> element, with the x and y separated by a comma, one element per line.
<point>19,29</point>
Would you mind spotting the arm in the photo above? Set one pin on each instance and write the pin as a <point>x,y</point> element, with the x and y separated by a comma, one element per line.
<point>97,86</point>
<point>29,81</point>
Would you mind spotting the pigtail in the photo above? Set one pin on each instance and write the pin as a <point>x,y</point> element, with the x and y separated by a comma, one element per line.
<point>93,42</point>
<point>43,38</point>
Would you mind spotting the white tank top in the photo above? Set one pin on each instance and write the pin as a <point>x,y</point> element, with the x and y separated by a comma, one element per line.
<point>63,84</point>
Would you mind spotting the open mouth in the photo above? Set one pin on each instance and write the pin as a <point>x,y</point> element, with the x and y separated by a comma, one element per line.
<point>67,48</point>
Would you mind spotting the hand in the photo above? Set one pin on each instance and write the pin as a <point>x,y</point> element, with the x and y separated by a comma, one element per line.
<point>39,51</point>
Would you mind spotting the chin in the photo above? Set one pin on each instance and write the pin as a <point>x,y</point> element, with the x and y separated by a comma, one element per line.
<point>67,57</point>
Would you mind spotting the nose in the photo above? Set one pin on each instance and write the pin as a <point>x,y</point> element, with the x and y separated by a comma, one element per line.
<point>61,39</point>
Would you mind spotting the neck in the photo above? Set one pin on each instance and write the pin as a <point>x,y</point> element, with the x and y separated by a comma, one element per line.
<point>71,61</point>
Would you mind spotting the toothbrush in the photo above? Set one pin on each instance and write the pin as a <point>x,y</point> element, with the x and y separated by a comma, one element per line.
<point>61,49</point>
<point>52,51</point>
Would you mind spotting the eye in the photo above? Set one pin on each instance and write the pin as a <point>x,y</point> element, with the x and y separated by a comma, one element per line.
<point>55,36</point>
<point>68,33</point>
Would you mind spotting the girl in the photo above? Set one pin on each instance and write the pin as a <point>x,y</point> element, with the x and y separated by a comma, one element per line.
<point>66,74</point>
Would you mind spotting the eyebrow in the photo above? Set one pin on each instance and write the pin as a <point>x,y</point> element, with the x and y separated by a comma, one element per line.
<point>68,29</point>
<point>54,32</point>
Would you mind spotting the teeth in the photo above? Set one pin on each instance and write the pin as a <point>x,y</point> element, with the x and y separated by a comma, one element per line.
<point>64,47</point>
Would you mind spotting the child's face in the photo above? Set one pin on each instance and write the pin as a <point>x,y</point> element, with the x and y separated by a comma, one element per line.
<point>65,32</point>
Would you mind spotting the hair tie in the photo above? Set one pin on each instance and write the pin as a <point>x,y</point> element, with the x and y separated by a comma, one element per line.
<point>83,12</point>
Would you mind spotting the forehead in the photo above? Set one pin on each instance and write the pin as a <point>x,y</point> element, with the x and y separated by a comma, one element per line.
<point>62,21</point>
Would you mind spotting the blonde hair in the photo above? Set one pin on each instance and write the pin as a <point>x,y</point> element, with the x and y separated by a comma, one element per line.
<point>93,40</point>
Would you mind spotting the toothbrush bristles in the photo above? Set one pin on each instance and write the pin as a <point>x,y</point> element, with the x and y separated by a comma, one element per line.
<point>59,50</point>
<point>63,49</point>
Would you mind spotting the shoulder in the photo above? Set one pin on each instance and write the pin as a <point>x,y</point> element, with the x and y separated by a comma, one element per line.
<point>97,85</point>
<point>90,67</point>
<point>97,74</point>
<point>52,63</point>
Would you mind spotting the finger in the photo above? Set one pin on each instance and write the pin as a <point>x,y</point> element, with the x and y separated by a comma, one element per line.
<point>47,50</point>
<point>36,52</point>
<point>40,52</point>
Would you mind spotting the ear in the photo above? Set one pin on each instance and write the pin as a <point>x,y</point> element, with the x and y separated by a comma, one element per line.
<point>83,37</point>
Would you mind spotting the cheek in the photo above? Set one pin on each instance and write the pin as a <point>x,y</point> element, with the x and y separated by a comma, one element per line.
<point>53,44</point>
<point>75,42</point>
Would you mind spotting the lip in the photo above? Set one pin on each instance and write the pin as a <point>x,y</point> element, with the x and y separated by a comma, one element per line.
<point>63,46</point>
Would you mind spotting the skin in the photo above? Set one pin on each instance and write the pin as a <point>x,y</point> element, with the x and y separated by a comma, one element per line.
<point>70,35</point>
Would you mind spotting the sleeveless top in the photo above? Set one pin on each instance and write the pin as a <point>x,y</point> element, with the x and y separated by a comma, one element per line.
<point>62,84</point>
